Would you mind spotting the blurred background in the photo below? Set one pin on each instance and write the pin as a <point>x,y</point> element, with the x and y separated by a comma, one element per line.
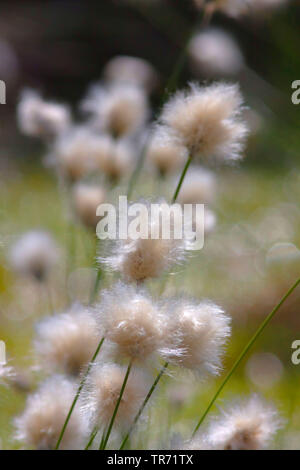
<point>252,257</point>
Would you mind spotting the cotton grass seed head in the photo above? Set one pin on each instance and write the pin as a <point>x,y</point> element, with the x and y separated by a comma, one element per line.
<point>102,391</point>
<point>77,152</point>
<point>119,110</point>
<point>207,120</point>
<point>114,158</point>
<point>66,342</point>
<point>144,258</point>
<point>40,424</point>
<point>165,153</point>
<point>86,199</point>
<point>200,331</point>
<point>131,70</point>
<point>214,53</point>
<point>39,118</point>
<point>199,187</point>
<point>244,425</point>
<point>34,254</point>
<point>131,321</point>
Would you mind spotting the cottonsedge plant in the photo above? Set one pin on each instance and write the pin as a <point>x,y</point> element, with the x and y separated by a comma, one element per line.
<point>146,258</point>
<point>34,254</point>
<point>102,392</point>
<point>40,118</point>
<point>40,423</point>
<point>65,342</point>
<point>248,424</point>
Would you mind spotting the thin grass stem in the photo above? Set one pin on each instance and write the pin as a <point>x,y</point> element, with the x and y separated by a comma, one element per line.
<point>80,387</point>
<point>148,396</point>
<point>184,171</point>
<point>244,353</point>
<point>105,441</point>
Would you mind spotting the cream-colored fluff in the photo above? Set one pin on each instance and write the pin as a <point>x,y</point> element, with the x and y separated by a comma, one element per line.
<point>34,254</point>
<point>243,425</point>
<point>200,331</point>
<point>40,424</point>
<point>207,120</point>
<point>86,199</point>
<point>40,118</point>
<point>77,152</point>
<point>165,153</point>
<point>66,342</point>
<point>131,321</point>
<point>120,109</point>
<point>102,392</point>
<point>214,53</point>
<point>132,70</point>
<point>144,258</point>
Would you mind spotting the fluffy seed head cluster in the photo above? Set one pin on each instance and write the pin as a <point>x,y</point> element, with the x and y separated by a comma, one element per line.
<point>207,120</point>
<point>214,53</point>
<point>45,412</point>
<point>120,109</point>
<point>200,331</point>
<point>199,187</point>
<point>247,425</point>
<point>131,321</point>
<point>102,392</point>
<point>145,258</point>
<point>86,199</point>
<point>131,70</point>
<point>165,153</point>
<point>114,158</point>
<point>34,254</point>
<point>77,151</point>
<point>66,342</point>
<point>39,118</point>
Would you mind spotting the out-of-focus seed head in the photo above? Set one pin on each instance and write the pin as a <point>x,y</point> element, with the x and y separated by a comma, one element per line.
<point>86,199</point>
<point>102,391</point>
<point>244,425</point>
<point>200,331</point>
<point>207,120</point>
<point>131,70</point>
<point>39,118</point>
<point>199,187</point>
<point>131,321</point>
<point>140,259</point>
<point>237,8</point>
<point>66,342</point>
<point>114,158</point>
<point>34,254</point>
<point>40,424</point>
<point>165,153</point>
<point>214,53</point>
<point>77,152</point>
<point>119,110</point>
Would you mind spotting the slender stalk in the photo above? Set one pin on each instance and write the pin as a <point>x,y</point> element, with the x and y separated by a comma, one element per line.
<point>244,352</point>
<point>80,387</point>
<point>92,437</point>
<point>153,387</point>
<point>185,169</point>
<point>104,443</point>
<point>96,285</point>
<point>170,87</point>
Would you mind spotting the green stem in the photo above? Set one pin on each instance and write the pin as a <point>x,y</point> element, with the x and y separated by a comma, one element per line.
<point>158,377</point>
<point>96,285</point>
<point>244,352</point>
<point>80,387</point>
<point>185,169</point>
<point>104,443</point>
<point>92,437</point>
